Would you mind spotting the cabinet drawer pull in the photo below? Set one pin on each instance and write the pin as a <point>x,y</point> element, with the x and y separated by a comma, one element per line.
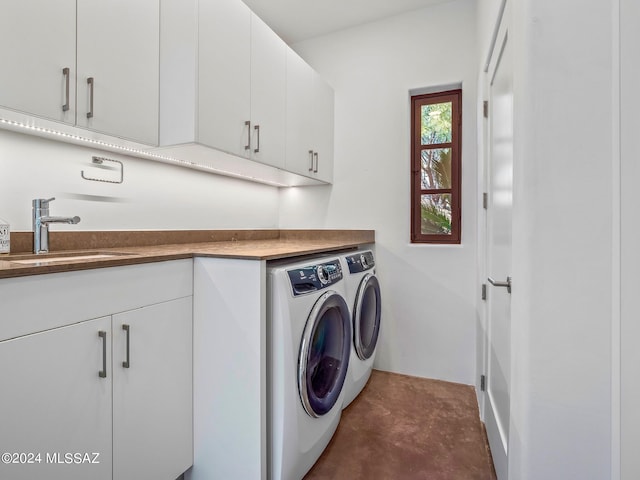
<point>248,125</point>
<point>315,157</point>
<point>257,129</point>
<point>127,329</point>
<point>90,83</point>
<point>65,73</point>
<point>103,373</point>
<point>311,157</point>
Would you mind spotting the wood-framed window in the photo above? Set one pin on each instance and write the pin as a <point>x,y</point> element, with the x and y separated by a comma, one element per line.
<point>436,121</point>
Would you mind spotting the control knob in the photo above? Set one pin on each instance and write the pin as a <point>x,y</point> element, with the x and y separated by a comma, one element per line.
<point>323,275</point>
<point>364,262</point>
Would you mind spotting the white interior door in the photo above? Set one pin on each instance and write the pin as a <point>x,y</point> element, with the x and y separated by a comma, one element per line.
<point>498,261</point>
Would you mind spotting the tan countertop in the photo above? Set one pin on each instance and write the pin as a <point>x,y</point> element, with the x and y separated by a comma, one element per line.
<point>111,249</point>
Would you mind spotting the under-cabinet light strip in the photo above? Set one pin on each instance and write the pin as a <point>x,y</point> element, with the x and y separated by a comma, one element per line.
<point>137,152</point>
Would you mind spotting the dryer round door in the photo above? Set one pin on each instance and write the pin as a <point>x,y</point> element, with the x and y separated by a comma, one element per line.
<point>324,354</point>
<point>366,317</point>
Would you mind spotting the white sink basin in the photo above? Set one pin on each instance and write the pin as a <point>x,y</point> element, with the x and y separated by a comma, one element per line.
<point>62,259</point>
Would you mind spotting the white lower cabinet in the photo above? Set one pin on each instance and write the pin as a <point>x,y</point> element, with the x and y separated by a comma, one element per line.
<point>152,394</point>
<point>90,398</point>
<point>53,403</point>
<point>230,369</point>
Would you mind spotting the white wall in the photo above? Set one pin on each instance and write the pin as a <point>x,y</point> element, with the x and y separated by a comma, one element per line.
<point>563,238</point>
<point>428,291</point>
<point>153,195</point>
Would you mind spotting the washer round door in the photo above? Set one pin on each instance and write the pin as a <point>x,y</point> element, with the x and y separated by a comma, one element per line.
<point>366,317</point>
<point>324,354</point>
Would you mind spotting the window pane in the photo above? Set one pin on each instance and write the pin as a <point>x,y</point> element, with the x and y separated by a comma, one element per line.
<point>436,168</point>
<point>436,123</point>
<point>436,214</point>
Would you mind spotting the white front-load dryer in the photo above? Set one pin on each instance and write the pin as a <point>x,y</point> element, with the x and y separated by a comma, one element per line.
<point>363,297</point>
<point>309,338</point>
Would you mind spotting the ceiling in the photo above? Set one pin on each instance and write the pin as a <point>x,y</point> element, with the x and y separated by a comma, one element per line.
<point>297,20</point>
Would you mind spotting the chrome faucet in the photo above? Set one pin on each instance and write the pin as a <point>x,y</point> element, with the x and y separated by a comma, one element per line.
<point>41,221</point>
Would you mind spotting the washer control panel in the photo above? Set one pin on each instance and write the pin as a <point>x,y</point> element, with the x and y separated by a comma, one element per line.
<point>360,262</point>
<point>315,277</point>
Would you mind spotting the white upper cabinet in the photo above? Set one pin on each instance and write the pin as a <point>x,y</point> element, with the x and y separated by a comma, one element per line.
<point>118,47</point>
<point>241,102</point>
<point>323,125</point>
<point>310,123</point>
<point>37,55</point>
<point>185,79</point>
<point>223,88</point>
<point>52,49</point>
<point>299,157</point>
<point>268,94</point>
<point>224,67</point>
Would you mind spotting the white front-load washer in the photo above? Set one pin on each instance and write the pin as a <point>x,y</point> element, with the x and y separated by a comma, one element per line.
<point>363,297</point>
<point>309,339</point>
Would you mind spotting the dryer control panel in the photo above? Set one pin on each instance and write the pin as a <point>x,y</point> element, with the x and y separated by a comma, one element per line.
<point>315,277</point>
<point>360,262</point>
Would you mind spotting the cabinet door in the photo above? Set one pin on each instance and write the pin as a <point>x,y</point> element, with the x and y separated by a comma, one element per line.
<point>53,403</point>
<point>299,105</point>
<point>323,118</point>
<point>268,94</point>
<point>224,76</point>
<point>118,47</point>
<point>39,41</point>
<point>309,121</point>
<point>152,396</point>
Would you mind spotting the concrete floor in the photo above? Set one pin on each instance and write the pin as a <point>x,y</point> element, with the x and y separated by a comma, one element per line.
<point>403,427</point>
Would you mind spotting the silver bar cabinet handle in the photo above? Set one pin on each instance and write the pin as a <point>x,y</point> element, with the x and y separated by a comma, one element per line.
<point>103,335</point>
<point>65,72</point>
<point>90,83</point>
<point>501,284</point>
<point>315,157</point>
<point>257,129</point>
<point>311,157</point>
<point>248,125</point>
<point>127,329</point>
